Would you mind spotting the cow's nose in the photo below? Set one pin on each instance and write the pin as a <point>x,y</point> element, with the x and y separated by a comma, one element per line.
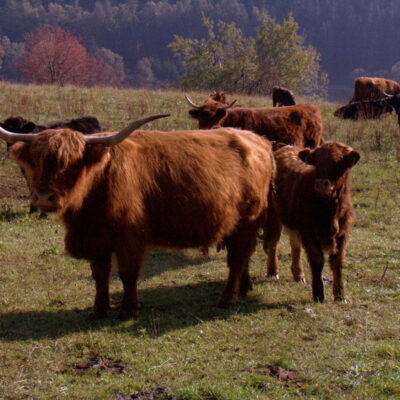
<point>40,199</point>
<point>322,185</point>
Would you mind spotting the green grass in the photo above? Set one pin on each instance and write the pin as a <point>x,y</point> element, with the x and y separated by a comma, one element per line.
<point>181,341</point>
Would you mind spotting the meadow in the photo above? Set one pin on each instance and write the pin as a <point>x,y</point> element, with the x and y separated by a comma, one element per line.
<point>275,344</point>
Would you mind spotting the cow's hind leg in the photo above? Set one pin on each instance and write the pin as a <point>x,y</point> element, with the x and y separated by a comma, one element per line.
<point>271,236</point>
<point>240,246</point>
<point>130,257</point>
<point>101,269</point>
<point>296,266</point>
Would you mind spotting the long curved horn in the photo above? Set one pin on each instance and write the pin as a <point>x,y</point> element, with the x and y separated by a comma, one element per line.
<point>229,105</point>
<point>387,94</point>
<point>191,102</point>
<point>116,138</point>
<point>12,137</point>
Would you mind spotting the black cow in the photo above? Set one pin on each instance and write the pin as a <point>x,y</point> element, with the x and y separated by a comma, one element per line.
<point>282,97</point>
<point>370,109</point>
<point>85,125</point>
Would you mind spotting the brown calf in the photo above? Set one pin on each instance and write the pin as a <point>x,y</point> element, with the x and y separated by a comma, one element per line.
<point>313,202</point>
<point>167,189</point>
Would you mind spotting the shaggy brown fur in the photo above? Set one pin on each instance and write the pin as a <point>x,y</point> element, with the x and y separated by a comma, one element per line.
<point>297,125</point>
<point>373,88</point>
<point>282,97</point>
<point>313,202</point>
<point>173,189</point>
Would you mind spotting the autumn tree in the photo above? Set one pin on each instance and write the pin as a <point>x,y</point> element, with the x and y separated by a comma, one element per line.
<point>228,60</point>
<point>54,56</point>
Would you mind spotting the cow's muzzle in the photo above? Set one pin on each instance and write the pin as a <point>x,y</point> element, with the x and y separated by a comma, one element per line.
<point>45,201</point>
<point>323,186</point>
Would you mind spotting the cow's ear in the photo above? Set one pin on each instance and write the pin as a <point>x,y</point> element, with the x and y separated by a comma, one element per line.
<point>307,156</point>
<point>28,127</point>
<point>351,159</point>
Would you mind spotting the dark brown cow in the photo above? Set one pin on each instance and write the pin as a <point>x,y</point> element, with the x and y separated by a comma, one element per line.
<point>299,125</point>
<point>373,88</point>
<point>313,202</point>
<point>171,189</point>
<point>370,109</point>
<point>86,125</point>
<point>282,97</point>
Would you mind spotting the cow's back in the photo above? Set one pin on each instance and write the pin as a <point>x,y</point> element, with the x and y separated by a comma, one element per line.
<point>191,188</point>
<point>366,88</point>
<point>298,125</point>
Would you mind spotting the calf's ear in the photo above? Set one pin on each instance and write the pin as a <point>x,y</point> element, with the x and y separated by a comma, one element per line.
<point>307,156</point>
<point>351,159</point>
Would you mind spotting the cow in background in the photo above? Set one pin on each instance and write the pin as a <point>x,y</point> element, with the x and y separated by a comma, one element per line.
<point>299,125</point>
<point>174,189</point>
<point>86,125</point>
<point>373,89</point>
<point>370,109</point>
<point>282,97</point>
<point>312,200</point>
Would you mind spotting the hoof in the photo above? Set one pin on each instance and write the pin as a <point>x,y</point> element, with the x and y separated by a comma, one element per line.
<point>341,300</point>
<point>273,276</point>
<point>125,315</point>
<point>94,316</point>
<point>300,279</point>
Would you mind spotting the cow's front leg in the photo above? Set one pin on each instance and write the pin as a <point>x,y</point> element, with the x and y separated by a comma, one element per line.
<point>336,262</point>
<point>316,259</point>
<point>296,265</point>
<point>101,269</point>
<point>130,259</point>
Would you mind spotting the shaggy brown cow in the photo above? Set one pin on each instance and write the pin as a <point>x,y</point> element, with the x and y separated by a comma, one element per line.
<point>299,125</point>
<point>364,109</point>
<point>282,97</point>
<point>373,88</point>
<point>313,202</point>
<point>170,189</point>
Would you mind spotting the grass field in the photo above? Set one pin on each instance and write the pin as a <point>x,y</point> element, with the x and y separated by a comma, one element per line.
<point>275,344</point>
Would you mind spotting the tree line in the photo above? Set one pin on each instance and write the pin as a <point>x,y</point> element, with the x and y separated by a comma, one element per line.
<point>132,36</point>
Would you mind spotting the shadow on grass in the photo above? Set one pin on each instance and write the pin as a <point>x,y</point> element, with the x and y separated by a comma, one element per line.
<point>164,309</point>
<point>8,215</point>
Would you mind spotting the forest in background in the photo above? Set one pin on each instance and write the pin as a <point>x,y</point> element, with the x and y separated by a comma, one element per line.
<point>354,38</point>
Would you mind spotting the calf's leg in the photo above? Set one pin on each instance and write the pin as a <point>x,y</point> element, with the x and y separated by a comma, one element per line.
<point>316,259</point>
<point>296,266</point>
<point>101,269</point>
<point>272,234</point>
<point>336,262</point>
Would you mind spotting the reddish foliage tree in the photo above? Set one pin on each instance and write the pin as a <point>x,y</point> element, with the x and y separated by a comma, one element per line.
<point>55,56</point>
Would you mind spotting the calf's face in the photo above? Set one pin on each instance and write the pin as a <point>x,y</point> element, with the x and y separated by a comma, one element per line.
<point>331,160</point>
